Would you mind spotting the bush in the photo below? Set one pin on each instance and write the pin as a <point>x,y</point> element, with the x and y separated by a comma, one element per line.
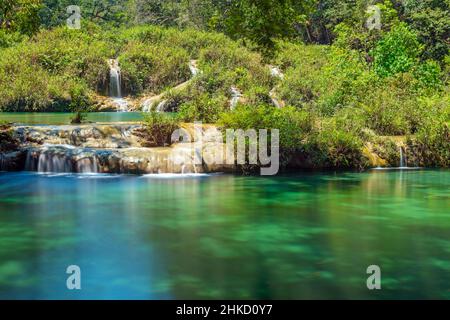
<point>152,68</point>
<point>334,147</point>
<point>398,51</point>
<point>203,107</point>
<point>293,125</point>
<point>431,144</point>
<point>8,39</point>
<point>158,129</point>
<point>55,71</point>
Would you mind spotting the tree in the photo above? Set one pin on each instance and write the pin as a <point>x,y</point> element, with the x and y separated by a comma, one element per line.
<point>398,51</point>
<point>431,21</point>
<point>263,21</point>
<point>20,16</point>
<point>115,12</point>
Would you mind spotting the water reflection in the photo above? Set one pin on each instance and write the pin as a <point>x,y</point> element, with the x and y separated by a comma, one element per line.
<point>305,236</point>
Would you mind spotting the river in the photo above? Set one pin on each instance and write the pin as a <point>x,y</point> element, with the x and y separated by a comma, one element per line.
<point>298,236</point>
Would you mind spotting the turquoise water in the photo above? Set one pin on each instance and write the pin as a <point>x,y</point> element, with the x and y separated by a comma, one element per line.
<point>156,237</point>
<point>56,118</point>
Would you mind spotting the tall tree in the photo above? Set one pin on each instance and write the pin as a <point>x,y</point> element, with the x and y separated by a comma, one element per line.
<point>113,12</point>
<point>263,21</point>
<point>20,15</point>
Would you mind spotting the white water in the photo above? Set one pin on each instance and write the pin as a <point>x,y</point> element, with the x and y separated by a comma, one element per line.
<point>193,67</point>
<point>276,72</point>
<point>235,96</point>
<point>62,159</point>
<point>115,86</point>
<point>148,103</point>
<point>274,98</point>
<point>160,107</point>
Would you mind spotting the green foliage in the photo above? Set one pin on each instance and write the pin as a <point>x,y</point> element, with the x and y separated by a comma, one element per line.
<point>151,68</point>
<point>398,51</point>
<point>105,12</point>
<point>335,147</point>
<point>158,129</point>
<point>430,147</point>
<point>203,107</point>
<point>430,19</point>
<point>231,65</point>
<point>429,75</point>
<point>57,71</point>
<point>8,39</point>
<point>262,22</point>
<point>20,16</point>
<point>293,125</point>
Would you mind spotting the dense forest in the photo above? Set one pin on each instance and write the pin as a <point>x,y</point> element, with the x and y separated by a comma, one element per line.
<point>351,73</point>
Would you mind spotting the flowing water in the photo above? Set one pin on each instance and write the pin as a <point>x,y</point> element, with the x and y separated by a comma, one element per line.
<point>235,96</point>
<point>115,86</point>
<point>222,236</point>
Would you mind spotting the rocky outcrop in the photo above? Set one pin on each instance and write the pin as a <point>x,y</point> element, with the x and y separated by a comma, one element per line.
<point>101,148</point>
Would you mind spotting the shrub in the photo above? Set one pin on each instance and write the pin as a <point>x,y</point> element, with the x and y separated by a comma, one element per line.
<point>55,71</point>
<point>158,129</point>
<point>431,144</point>
<point>203,107</point>
<point>398,51</point>
<point>333,147</point>
<point>293,125</point>
<point>152,68</point>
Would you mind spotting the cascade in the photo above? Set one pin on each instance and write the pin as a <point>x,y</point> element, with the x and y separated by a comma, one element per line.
<point>115,85</point>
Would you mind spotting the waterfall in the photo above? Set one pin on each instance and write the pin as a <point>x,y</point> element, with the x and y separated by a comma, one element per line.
<point>275,100</point>
<point>235,96</point>
<point>160,107</point>
<point>61,159</point>
<point>193,67</point>
<point>276,72</point>
<point>146,106</point>
<point>148,103</point>
<point>115,90</point>
<point>403,159</point>
<point>115,85</point>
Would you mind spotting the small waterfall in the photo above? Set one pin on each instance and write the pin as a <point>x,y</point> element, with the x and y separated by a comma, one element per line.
<point>147,105</point>
<point>235,96</point>
<point>193,67</point>
<point>403,159</point>
<point>87,165</point>
<point>115,90</point>
<point>161,106</point>
<point>276,72</point>
<point>115,85</point>
<point>61,159</point>
<point>275,100</point>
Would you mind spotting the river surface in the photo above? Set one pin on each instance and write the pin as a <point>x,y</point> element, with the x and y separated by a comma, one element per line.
<point>300,236</point>
<point>59,118</point>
